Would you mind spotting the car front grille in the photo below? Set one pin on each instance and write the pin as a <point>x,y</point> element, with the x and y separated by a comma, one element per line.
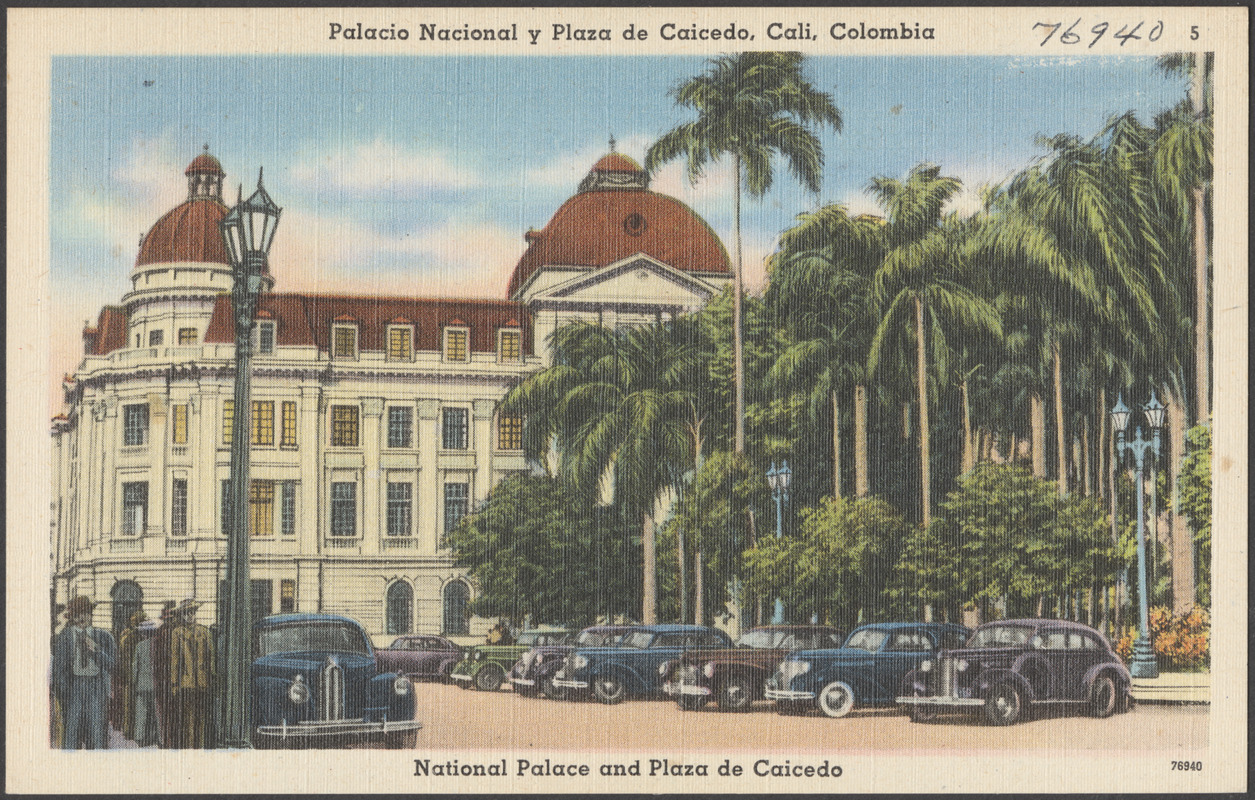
<point>331,691</point>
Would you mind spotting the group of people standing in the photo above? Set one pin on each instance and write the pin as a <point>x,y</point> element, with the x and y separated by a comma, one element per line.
<point>154,684</point>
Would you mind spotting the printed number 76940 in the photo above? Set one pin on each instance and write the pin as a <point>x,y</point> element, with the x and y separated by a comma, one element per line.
<point>1185,766</point>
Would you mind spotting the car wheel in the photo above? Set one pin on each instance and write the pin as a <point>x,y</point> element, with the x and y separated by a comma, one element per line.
<point>688,702</point>
<point>553,692</point>
<point>1004,705</point>
<point>836,699</point>
<point>401,740</point>
<point>923,713</point>
<point>1103,697</point>
<point>790,708</point>
<point>736,694</point>
<point>489,678</point>
<point>609,689</point>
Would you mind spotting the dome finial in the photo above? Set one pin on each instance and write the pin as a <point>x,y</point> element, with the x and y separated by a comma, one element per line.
<point>612,142</point>
<point>206,147</point>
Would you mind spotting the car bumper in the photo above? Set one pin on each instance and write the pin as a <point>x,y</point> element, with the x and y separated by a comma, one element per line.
<point>569,683</point>
<point>921,700</point>
<point>313,729</point>
<point>522,681</point>
<point>460,676</point>
<point>787,694</point>
<point>687,689</point>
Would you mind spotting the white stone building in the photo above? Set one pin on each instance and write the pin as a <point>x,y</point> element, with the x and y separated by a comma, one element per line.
<point>374,423</point>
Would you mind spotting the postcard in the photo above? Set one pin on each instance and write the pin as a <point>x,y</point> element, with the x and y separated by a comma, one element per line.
<point>632,400</point>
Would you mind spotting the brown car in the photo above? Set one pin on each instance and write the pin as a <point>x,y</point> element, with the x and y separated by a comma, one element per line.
<point>734,677</point>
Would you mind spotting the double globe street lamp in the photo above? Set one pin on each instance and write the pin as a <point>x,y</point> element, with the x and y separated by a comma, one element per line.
<point>1144,664</point>
<point>779,480</point>
<point>248,230</point>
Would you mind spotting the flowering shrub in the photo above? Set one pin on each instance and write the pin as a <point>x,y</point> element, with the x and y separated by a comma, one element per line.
<point>1181,644</point>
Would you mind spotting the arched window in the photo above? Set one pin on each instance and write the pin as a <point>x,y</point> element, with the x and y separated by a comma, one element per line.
<point>127,598</point>
<point>456,598</point>
<point>400,608</point>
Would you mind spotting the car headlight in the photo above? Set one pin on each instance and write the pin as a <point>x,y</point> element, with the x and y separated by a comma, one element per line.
<point>708,669</point>
<point>962,665</point>
<point>792,669</point>
<point>663,667</point>
<point>401,685</point>
<point>477,655</point>
<point>298,692</point>
<point>579,662</point>
<point>925,665</point>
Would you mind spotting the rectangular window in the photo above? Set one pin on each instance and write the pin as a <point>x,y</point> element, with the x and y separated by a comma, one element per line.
<point>510,345</point>
<point>155,338</point>
<point>287,596</point>
<point>287,509</point>
<point>264,422</point>
<point>400,509</point>
<point>344,509</point>
<point>344,341</point>
<point>228,420</point>
<point>344,426</point>
<point>400,343</point>
<point>187,336</point>
<point>178,507</point>
<point>456,504</point>
<point>400,426</point>
<point>288,436</point>
<point>264,338</point>
<point>509,432</point>
<point>135,424</point>
<point>134,508</point>
<point>261,508</point>
<point>455,344</point>
<point>178,425</point>
<point>455,429</point>
<point>225,508</point>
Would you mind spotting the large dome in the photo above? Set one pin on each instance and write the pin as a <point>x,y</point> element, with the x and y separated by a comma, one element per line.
<point>613,216</point>
<point>189,231</point>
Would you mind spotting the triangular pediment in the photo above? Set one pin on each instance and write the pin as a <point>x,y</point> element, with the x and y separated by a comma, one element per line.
<point>635,279</point>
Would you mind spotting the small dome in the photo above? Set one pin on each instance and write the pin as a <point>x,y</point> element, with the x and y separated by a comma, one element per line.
<point>617,162</point>
<point>204,163</point>
<point>189,232</point>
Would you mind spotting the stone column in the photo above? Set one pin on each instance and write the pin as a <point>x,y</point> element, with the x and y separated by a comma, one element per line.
<point>430,496</point>
<point>205,434</point>
<point>158,447</point>
<point>482,443</point>
<point>112,436</point>
<point>372,519</point>
<point>310,436</point>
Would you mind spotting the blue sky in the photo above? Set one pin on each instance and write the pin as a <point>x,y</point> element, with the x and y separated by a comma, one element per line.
<point>420,175</point>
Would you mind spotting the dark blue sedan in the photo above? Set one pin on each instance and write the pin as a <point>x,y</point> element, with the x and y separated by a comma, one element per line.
<point>867,671</point>
<point>315,683</point>
<point>634,665</point>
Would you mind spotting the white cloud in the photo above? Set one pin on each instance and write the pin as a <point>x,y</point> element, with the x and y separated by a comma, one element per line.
<point>382,166</point>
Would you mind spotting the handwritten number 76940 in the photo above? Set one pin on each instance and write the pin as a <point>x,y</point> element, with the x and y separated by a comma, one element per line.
<point>1072,36</point>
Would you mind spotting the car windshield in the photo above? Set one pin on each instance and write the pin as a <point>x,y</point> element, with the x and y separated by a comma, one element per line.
<point>869,640</point>
<point>304,637</point>
<point>762,639</point>
<point>640,639</point>
<point>597,638</point>
<point>1000,636</point>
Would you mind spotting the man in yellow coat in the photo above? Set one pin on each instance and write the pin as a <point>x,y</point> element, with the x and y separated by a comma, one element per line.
<point>191,675</point>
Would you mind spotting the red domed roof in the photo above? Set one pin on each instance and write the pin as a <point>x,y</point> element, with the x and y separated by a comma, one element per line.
<point>189,232</point>
<point>599,226</point>
<point>204,163</point>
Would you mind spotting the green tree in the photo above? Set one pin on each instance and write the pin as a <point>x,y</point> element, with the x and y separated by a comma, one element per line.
<point>751,106</point>
<point>836,565</point>
<point>1195,504</point>
<point>534,548</point>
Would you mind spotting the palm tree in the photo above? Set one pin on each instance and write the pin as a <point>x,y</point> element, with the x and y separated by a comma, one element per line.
<point>751,106</point>
<point>922,270</point>
<point>820,280</point>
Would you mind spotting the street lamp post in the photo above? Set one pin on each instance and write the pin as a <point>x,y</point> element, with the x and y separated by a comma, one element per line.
<point>248,230</point>
<point>1144,664</point>
<point>779,480</point>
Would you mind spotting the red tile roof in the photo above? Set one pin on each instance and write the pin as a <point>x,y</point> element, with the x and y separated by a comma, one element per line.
<point>617,162</point>
<point>596,228</point>
<point>109,333</point>
<point>188,232</point>
<point>305,319</point>
<point>204,163</point>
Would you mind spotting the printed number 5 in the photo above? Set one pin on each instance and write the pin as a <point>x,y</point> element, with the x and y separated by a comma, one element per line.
<point>1193,31</point>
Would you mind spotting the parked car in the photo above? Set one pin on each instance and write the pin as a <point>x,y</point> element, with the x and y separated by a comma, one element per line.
<point>867,671</point>
<point>420,656</point>
<point>532,675</point>
<point>631,667</point>
<point>315,682</point>
<point>485,666</point>
<point>1007,667</point>
<point>735,678</point>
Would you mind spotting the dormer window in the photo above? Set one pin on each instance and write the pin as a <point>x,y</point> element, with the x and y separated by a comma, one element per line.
<point>155,338</point>
<point>344,340</point>
<point>456,341</point>
<point>400,342</point>
<point>510,345</point>
<point>263,337</point>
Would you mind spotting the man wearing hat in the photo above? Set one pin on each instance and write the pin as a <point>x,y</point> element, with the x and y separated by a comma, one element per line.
<point>143,687</point>
<point>122,688</point>
<point>82,660</point>
<point>166,717</point>
<point>191,675</point>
